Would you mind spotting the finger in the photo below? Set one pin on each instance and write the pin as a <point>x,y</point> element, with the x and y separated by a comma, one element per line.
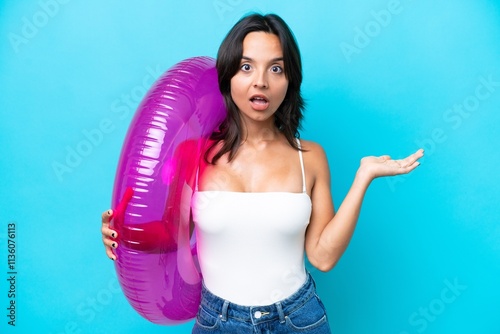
<point>106,216</point>
<point>385,157</point>
<point>409,168</point>
<point>411,159</point>
<point>106,231</point>
<point>110,254</point>
<point>418,154</point>
<point>109,243</point>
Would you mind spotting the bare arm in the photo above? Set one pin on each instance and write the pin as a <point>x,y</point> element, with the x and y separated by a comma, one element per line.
<point>329,233</point>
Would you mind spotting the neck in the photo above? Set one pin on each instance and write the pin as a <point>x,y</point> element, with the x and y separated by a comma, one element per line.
<point>259,133</point>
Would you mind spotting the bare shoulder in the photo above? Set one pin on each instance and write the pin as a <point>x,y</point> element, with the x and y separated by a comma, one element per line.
<point>312,150</point>
<point>315,160</point>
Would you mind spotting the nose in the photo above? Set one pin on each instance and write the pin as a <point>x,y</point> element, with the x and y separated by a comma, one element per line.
<point>260,79</point>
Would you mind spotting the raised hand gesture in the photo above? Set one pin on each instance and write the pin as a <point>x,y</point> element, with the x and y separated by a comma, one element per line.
<point>372,167</point>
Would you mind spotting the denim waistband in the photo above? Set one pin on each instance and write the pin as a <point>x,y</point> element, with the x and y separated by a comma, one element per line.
<point>259,314</point>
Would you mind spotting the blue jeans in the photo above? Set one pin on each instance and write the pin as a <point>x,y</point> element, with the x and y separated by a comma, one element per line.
<point>302,312</point>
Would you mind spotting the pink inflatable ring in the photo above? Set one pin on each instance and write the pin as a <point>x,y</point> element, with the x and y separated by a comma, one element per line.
<point>156,257</point>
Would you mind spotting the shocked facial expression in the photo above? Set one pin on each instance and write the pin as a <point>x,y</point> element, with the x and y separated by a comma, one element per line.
<point>259,87</point>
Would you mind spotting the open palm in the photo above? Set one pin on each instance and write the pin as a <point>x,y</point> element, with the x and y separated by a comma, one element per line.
<point>385,166</point>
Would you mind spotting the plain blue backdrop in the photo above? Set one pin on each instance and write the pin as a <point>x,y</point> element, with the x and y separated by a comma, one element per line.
<point>380,77</point>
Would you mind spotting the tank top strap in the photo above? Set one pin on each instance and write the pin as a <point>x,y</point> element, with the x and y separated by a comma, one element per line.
<point>196,179</point>
<point>302,167</point>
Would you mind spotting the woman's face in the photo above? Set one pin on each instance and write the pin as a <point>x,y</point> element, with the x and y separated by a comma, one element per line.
<point>260,85</point>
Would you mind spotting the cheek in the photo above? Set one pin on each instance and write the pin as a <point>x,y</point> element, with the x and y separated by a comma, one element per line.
<point>283,89</point>
<point>236,88</point>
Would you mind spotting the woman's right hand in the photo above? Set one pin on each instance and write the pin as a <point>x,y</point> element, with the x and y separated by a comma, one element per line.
<point>108,235</point>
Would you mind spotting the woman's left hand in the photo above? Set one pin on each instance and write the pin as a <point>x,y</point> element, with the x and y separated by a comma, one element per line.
<point>373,167</point>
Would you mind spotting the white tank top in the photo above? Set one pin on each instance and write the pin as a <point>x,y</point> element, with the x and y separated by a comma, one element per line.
<point>251,245</point>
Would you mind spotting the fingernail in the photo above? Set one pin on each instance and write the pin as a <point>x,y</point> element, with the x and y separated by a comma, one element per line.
<point>109,212</point>
<point>113,234</point>
<point>113,245</point>
<point>112,258</point>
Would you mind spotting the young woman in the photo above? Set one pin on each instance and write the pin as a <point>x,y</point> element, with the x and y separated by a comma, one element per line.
<point>263,196</point>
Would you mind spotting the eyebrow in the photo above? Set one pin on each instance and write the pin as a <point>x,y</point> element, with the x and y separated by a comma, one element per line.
<point>272,60</point>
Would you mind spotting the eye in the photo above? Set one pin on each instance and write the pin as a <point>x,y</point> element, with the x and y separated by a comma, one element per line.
<point>277,69</point>
<point>245,67</point>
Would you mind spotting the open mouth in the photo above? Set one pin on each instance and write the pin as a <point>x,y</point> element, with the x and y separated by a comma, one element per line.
<point>259,100</point>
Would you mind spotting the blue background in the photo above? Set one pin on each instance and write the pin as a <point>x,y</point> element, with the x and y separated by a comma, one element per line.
<point>426,253</point>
